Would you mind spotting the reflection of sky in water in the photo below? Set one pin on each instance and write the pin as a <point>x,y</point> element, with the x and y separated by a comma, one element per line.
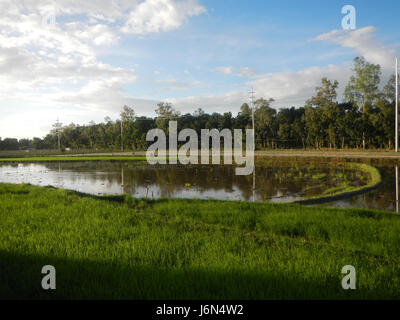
<point>204,182</point>
<point>37,174</point>
<point>188,193</point>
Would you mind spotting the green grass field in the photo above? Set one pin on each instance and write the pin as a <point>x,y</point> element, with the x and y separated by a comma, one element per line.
<point>121,248</point>
<point>74,158</point>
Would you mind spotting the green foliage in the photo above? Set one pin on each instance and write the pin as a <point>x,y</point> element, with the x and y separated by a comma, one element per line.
<point>123,248</point>
<point>364,119</point>
<point>370,176</point>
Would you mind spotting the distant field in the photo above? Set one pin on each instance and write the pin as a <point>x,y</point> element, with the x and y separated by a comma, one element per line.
<point>336,153</point>
<point>73,158</point>
<point>331,153</point>
<point>43,153</point>
<point>120,247</point>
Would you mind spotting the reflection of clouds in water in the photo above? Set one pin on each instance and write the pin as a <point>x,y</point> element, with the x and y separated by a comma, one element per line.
<point>275,184</point>
<point>139,180</point>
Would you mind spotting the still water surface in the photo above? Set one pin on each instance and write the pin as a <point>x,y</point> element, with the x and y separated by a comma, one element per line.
<point>272,183</point>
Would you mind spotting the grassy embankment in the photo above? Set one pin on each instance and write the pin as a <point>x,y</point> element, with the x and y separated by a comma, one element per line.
<point>345,189</point>
<point>190,249</point>
<point>330,153</point>
<point>75,152</point>
<point>73,158</point>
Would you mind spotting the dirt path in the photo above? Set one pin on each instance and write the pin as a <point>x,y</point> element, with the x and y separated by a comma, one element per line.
<point>280,153</point>
<point>330,154</point>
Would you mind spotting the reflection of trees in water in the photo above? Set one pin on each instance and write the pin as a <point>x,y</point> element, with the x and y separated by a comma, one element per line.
<point>105,173</point>
<point>278,177</point>
<point>382,198</point>
<point>218,181</point>
<point>172,179</point>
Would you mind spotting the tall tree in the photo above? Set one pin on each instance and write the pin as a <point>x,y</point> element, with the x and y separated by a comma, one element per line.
<point>165,113</point>
<point>127,118</point>
<point>264,117</point>
<point>363,90</point>
<point>327,111</point>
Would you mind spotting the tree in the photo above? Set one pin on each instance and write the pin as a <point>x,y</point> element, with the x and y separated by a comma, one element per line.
<point>127,119</point>
<point>363,90</point>
<point>322,122</point>
<point>165,113</point>
<point>312,118</point>
<point>347,124</point>
<point>289,127</point>
<point>38,143</point>
<point>326,112</point>
<point>127,114</point>
<point>57,129</point>
<point>386,114</point>
<point>298,127</point>
<point>264,117</point>
<point>243,119</point>
<point>9,144</point>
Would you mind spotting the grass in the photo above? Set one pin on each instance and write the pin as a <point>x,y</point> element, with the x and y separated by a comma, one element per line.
<point>117,247</point>
<point>86,152</point>
<point>330,153</point>
<point>73,158</point>
<point>319,176</point>
<point>344,190</point>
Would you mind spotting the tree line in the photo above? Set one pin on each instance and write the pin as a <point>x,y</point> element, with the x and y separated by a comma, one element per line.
<point>364,119</point>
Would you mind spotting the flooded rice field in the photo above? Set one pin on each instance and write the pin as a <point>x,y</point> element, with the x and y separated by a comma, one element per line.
<point>275,181</point>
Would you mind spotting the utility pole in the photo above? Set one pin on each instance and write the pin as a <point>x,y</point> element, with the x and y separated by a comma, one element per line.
<point>59,140</point>
<point>122,145</point>
<point>252,97</point>
<point>58,126</point>
<point>397,108</point>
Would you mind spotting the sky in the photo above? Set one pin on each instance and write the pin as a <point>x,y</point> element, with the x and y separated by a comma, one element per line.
<point>80,61</point>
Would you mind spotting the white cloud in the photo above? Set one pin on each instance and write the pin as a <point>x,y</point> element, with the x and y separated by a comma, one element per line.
<point>230,101</point>
<point>294,88</point>
<point>53,71</point>
<point>172,84</point>
<point>364,42</point>
<point>161,15</point>
<point>246,71</point>
<point>102,95</point>
<point>98,34</point>
<point>229,70</point>
<point>32,54</point>
<point>48,63</point>
<point>225,70</point>
<point>287,89</point>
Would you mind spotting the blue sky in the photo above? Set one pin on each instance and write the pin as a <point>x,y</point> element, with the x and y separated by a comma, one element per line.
<point>100,55</point>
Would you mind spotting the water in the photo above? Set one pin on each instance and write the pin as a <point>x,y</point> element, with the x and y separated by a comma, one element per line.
<point>384,197</point>
<point>277,182</point>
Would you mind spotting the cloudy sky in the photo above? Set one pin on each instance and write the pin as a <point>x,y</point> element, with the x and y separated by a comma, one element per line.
<point>83,60</point>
